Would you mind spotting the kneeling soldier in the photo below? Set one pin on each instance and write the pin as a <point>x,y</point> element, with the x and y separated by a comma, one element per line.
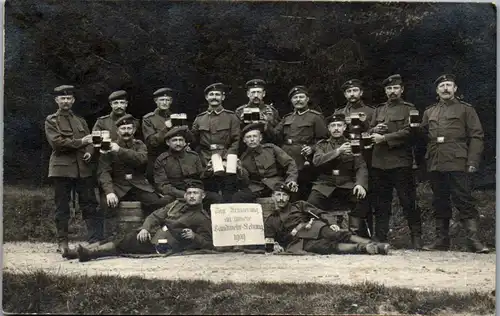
<point>182,225</point>
<point>301,227</point>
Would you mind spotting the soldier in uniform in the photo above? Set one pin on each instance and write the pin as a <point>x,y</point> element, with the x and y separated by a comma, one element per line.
<point>121,173</point>
<point>299,131</point>
<point>454,148</point>
<point>179,163</point>
<point>155,125</point>
<point>217,131</point>
<point>119,103</point>
<point>300,227</point>
<point>263,163</point>
<point>180,225</point>
<point>256,93</point>
<point>72,150</point>
<point>343,178</point>
<point>392,162</point>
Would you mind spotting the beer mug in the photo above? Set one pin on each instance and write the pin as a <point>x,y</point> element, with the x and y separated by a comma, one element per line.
<point>247,115</point>
<point>355,147</point>
<point>255,115</point>
<point>96,138</point>
<point>232,161</point>
<point>414,118</point>
<point>269,244</point>
<point>217,164</point>
<point>106,143</point>
<point>105,134</point>
<point>355,121</point>
<point>175,119</point>
<point>367,140</point>
<point>183,119</point>
<point>162,247</point>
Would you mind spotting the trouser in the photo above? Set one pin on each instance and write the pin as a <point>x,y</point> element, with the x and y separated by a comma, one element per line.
<point>307,175</point>
<point>130,244</point>
<point>454,184</point>
<point>340,198</point>
<point>328,241</point>
<point>247,196</point>
<point>91,213</point>
<point>228,185</point>
<point>384,181</point>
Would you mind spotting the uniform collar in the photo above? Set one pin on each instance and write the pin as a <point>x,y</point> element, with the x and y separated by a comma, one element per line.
<point>114,117</point>
<point>124,144</point>
<point>217,111</point>
<point>394,102</point>
<point>162,113</point>
<point>177,153</point>
<point>260,105</point>
<point>64,113</point>
<point>303,112</point>
<point>339,140</point>
<point>356,105</point>
<point>448,102</point>
<point>192,208</point>
<point>257,149</point>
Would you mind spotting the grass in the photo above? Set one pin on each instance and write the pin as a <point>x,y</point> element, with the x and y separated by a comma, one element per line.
<point>29,216</point>
<point>39,292</point>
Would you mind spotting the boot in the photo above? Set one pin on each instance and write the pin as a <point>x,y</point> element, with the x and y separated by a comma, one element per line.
<point>95,229</point>
<point>362,248</point>
<point>72,253</point>
<point>62,246</point>
<point>356,226</point>
<point>442,241</point>
<point>473,242</point>
<point>377,248</point>
<point>86,254</point>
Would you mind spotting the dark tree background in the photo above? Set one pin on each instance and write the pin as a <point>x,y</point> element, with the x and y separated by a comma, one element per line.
<point>141,46</point>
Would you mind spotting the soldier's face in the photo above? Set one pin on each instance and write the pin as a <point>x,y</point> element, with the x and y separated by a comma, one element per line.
<point>252,138</point>
<point>65,102</point>
<point>256,95</point>
<point>177,143</point>
<point>394,92</point>
<point>119,106</point>
<point>194,196</point>
<point>353,94</point>
<point>337,129</point>
<point>446,90</point>
<point>299,101</point>
<point>215,98</point>
<point>164,103</point>
<point>281,199</point>
<point>126,131</point>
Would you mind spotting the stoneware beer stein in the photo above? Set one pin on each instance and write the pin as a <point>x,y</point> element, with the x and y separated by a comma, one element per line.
<point>217,164</point>
<point>232,161</point>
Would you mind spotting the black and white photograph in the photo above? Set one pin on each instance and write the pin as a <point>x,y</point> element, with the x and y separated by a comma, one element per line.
<point>249,157</point>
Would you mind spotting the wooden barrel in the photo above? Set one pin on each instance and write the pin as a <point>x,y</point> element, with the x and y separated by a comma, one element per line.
<point>130,216</point>
<point>267,204</point>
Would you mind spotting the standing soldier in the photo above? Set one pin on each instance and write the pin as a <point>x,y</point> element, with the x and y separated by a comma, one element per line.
<point>455,143</point>
<point>217,131</point>
<point>392,162</point>
<point>299,131</point>
<point>72,150</point>
<point>256,93</point>
<point>119,103</point>
<point>155,125</point>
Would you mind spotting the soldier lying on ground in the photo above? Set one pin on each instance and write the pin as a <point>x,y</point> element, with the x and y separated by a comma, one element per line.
<point>182,225</point>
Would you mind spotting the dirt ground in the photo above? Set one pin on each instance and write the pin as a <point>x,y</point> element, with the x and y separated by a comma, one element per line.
<point>454,271</point>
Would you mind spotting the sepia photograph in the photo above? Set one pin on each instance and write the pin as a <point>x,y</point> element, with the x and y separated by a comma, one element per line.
<point>249,157</point>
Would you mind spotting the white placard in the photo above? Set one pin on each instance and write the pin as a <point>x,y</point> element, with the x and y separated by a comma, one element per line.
<point>237,224</point>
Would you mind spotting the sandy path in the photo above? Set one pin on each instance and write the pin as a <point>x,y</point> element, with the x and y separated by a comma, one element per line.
<point>455,271</point>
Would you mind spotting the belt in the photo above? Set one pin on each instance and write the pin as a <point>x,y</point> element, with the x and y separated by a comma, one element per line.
<point>442,139</point>
<point>290,141</point>
<point>214,146</point>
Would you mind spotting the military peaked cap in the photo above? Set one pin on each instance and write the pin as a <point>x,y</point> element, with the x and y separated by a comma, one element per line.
<point>118,95</point>
<point>216,87</point>
<point>255,83</point>
<point>281,187</point>
<point>252,127</point>
<point>393,80</point>
<point>445,77</point>
<point>163,92</point>
<point>352,83</point>
<point>297,89</point>
<point>193,183</point>
<point>64,90</point>
<point>340,117</point>
<point>125,120</point>
<point>179,131</point>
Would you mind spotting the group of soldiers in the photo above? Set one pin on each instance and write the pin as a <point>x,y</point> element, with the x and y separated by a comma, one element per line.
<point>310,165</point>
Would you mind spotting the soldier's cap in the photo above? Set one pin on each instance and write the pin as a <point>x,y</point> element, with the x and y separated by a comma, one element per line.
<point>118,95</point>
<point>194,183</point>
<point>182,131</point>
<point>340,117</point>
<point>252,127</point>
<point>125,120</point>
<point>255,83</point>
<point>281,187</point>
<point>64,90</point>
<point>351,83</point>
<point>219,86</point>
<point>297,89</point>
<point>163,92</point>
<point>393,80</point>
<point>445,77</point>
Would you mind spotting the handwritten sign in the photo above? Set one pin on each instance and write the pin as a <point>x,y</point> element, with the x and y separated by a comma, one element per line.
<point>237,224</point>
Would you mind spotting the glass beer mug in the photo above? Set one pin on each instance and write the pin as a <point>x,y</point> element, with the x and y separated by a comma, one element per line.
<point>414,118</point>
<point>355,147</point>
<point>96,138</point>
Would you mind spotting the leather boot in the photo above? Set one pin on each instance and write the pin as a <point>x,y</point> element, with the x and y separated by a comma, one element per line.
<point>62,246</point>
<point>442,241</point>
<point>377,248</point>
<point>86,254</point>
<point>72,253</point>
<point>473,242</point>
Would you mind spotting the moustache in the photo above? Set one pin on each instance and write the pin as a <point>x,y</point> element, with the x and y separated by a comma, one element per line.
<point>126,134</point>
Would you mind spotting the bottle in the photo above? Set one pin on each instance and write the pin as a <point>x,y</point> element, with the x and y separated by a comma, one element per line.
<point>163,247</point>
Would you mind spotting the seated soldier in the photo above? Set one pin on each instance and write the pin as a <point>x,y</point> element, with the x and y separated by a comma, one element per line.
<point>121,174</point>
<point>299,227</point>
<point>343,178</point>
<point>182,225</point>
<point>180,163</point>
<point>263,163</point>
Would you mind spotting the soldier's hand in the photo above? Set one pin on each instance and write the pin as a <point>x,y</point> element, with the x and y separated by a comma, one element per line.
<point>114,147</point>
<point>359,192</point>
<point>362,116</point>
<point>143,235</point>
<point>210,167</point>
<point>345,148</point>
<point>239,166</point>
<point>471,169</point>
<point>377,138</point>
<point>168,123</point>
<point>187,233</point>
<point>306,150</point>
<point>112,200</point>
<point>293,186</point>
<point>277,248</point>
<point>87,157</point>
<point>87,139</point>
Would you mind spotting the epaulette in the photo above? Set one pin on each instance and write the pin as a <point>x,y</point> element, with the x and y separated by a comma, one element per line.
<point>202,113</point>
<point>51,116</point>
<point>463,102</point>
<point>138,141</point>
<point>103,117</point>
<point>163,155</point>
<point>241,107</point>
<point>229,111</point>
<point>268,145</point>
<point>189,150</point>
<point>288,114</point>
<point>430,106</point>
<point>315,112</point>
<point>322,141</point>
<point>380,104</point>
<point>409,104</point>
<point>148,115</point>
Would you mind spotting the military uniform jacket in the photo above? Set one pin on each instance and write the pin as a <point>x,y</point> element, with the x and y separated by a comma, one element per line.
<point>454,134</point>
<point>337,170</point>
<point>297,129</point>
<point>357,108</point>
<point>264,164</point>
<point>64,132</point>
<point>219,127</point>
<point>396,151</point>
<point>178,215</point>
<point>114,167</point>
<point>108,123</point>
<point>173,168</point>
<point>154,131</point>
<point>268,109</point>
